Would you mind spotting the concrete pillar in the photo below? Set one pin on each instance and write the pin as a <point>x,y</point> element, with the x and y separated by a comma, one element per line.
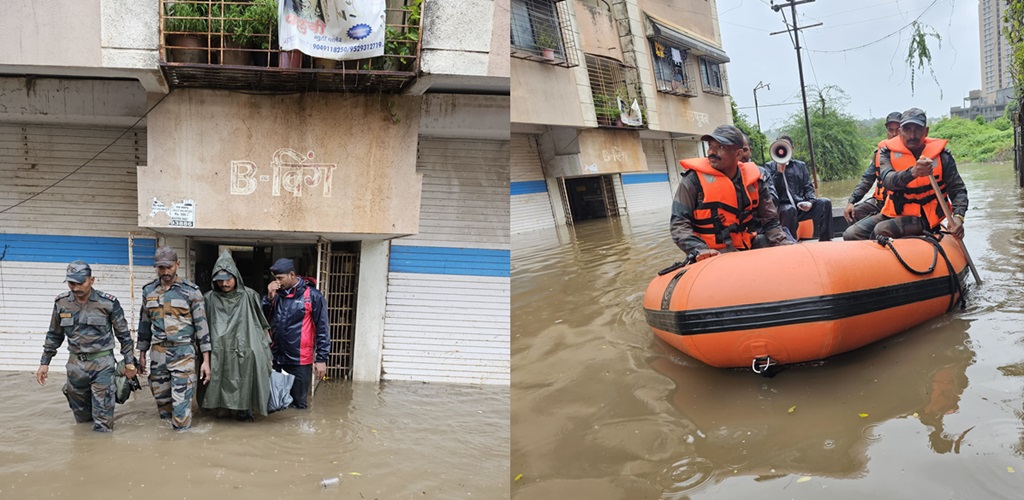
<point>368,343</point>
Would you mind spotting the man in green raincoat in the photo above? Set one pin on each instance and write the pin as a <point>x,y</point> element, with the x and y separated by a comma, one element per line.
<point>240,359</point>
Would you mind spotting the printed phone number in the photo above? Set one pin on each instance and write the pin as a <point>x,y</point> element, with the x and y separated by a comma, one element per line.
<point>349,48</point>
<point>181,223</point>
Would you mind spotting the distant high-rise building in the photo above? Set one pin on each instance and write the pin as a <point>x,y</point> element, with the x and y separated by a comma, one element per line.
<point>995,50</point>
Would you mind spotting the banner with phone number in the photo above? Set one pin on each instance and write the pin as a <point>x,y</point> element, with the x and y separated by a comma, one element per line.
<point>332,29</point>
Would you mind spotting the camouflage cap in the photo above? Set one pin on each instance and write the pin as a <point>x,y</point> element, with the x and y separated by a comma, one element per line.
<point>915,116</point>
<point>727,135</point>
<point>895,116</point>
<point>78,271</point>
<point>165,256</point>
<point>223,275</point>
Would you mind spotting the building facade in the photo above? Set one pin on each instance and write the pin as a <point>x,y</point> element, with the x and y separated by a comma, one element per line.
<point>995,54</point>
<point>386,179</point>
<point>608,95</point>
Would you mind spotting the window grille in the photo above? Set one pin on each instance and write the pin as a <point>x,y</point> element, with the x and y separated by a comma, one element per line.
<point>711,77</point>
<point>540,31</point>
<point>610,81</point>
<point>674,72</point>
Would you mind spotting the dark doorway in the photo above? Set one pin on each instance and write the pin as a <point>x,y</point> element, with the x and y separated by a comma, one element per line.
<point>587,198</point>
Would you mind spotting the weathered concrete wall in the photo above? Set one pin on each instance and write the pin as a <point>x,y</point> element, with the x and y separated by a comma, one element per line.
<point>692,15</point>
<point>458,37</point>
<point>593,152</point>
<point>465,116</point>
<point>597,31</point>
<point>691,115</point>
<point>109,38</point>
<point>71,101</point>
<point>544,94</point>
<point>338,165</point>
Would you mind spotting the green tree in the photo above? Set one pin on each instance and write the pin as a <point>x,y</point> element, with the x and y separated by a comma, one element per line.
<point>839,149</point>
<point>758,143</point>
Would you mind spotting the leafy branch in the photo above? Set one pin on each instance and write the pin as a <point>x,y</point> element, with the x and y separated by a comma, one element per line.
<point>920,54</point>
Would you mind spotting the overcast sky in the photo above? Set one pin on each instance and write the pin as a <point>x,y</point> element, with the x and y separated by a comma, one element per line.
<point>859,48</point>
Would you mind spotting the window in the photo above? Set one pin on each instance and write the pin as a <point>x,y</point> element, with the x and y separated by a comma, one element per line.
<point>536,32</point>
<point>610,83</point>
<point>711,76</point>
<point>673,71</point>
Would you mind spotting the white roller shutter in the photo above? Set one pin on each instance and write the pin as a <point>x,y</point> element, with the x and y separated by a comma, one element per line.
<point>447,312</point>
<point>87,214</point>
<point>530,206</point>
<point>647,191</point>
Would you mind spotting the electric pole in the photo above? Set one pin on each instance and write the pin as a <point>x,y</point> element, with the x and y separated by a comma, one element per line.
<point>760,85</point>
<point>800,66</point>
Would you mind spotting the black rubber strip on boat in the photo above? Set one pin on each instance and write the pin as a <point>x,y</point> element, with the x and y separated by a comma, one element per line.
<point>797,311</point>
<point>667,298</point>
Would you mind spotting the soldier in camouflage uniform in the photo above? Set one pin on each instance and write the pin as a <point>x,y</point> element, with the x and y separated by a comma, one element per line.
<point>173,316</point>
<point>89,319</point>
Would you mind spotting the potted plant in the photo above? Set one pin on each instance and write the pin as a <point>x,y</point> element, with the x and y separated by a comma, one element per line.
<point>547,45</point>
<point>186,32</point>
<point>257,28</point>
<point>235,42</point>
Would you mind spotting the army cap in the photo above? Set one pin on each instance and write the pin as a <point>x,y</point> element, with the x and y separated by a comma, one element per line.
<point>165,256</point>
<point>895,116</point>
<point>78,271</point>
<point>727,135</point>
<point>223,275</point>
<point>914,115</point>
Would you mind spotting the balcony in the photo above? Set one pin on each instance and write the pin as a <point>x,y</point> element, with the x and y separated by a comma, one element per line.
<point>232,45</point>
<point>614,87</point>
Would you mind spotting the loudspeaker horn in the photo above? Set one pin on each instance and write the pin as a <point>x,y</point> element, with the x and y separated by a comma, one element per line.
<point>781,151</point>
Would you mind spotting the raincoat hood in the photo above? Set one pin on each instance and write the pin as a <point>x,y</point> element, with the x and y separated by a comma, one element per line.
<point>226,263</point>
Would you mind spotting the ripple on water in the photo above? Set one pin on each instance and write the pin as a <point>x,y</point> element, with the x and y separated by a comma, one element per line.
<point>685,477</point>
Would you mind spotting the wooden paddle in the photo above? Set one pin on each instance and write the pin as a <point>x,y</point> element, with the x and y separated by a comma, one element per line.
<point>949,216</point>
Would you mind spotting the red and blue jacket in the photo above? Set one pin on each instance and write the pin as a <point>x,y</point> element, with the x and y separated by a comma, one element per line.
<point>298,325</point>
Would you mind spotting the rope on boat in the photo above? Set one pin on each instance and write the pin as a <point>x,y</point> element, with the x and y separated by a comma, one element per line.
<point>937,250</point>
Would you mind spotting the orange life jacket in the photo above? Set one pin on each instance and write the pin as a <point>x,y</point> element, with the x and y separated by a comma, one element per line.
<point>879,193</point>
<point>719,214</point>
<point>918,198</point>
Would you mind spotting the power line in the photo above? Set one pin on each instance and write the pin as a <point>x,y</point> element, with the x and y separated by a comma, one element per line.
<point>890,35</point>
<point>62,179</point>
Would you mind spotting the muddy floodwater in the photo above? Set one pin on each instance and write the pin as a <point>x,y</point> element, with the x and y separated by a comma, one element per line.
<point>603,409</point>
<point>393,440</point>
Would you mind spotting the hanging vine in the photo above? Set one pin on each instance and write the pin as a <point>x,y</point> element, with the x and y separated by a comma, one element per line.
<point>919,54</point>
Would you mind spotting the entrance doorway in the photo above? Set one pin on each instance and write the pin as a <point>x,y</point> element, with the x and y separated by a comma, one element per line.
<point>590,197</point>
<point>332,267</point>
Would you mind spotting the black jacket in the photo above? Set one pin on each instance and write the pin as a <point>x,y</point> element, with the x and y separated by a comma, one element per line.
<point>798,179</point>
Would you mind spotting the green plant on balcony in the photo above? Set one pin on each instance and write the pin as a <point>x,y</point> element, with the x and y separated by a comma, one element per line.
<point>187,17</point>
<point>606,108</point>
<point>547,44</point>
<point>257,25</point>
<point>402,43</point>
<point>187,28</point>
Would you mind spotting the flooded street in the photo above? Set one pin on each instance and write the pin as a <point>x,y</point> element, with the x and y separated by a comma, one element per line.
<point>603,409</point>
<point>393,440</point>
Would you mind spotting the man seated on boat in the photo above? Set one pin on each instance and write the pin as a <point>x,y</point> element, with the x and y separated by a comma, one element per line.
<point>796,200</point>
<point>857,209</point>
<point>719,200</point>
<point>766,177</point>
<point>905,164</point>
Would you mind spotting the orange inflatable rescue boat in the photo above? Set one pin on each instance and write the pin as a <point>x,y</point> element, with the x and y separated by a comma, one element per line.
<point>803,302</point>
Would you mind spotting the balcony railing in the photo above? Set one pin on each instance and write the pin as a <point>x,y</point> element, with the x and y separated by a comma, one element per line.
<point>232,44</point>
<point>610,83</point>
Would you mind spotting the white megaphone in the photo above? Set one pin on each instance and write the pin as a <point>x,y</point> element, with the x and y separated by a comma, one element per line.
<point>781,151</point>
